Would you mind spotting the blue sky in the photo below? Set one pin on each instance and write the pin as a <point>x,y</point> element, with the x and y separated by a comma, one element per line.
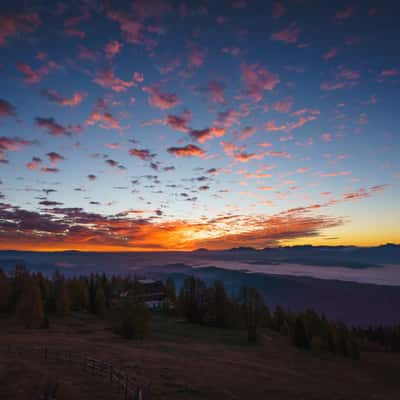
<point>153,119</point>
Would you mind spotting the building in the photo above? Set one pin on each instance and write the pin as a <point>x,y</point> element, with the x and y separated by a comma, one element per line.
<point>148,291</point>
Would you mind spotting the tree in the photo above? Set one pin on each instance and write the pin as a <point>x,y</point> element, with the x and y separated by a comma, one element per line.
<point>299,336</point>
<point>252,307</point>
<point>30,306</point>
<point>220,305</point>
<point>170,290</point>
<point>341,339</point>
<point>5,293</point>
<point>100,302</point>
<point>193,300</point>
<point>131,321</point>
<point>278,318</point>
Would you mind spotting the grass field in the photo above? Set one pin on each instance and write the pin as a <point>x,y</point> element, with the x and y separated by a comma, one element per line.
<point>183,361</point>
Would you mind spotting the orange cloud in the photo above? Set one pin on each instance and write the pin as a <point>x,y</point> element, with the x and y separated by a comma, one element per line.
<point>206,134</point>
<point>190,150</point>
<point>73,228</point>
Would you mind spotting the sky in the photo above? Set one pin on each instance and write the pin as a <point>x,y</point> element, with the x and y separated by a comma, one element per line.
<point>177,125</point>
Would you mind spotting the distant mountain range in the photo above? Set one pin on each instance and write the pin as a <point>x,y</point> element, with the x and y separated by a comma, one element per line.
<point>345,256</point>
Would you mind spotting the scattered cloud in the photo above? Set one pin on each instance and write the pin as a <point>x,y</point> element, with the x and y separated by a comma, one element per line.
<point>289,35</point>
<point>257,80</point>
<point>7,109</point>
<point>189,150</point>
<point>55,97</point>
<point>158,99</point>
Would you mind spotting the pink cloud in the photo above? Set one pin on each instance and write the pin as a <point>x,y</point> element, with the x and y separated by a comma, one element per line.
<point>228,118</point>
<point>333,174</point>
<point>271,126</point>
<point>326,137</point>
<point>34,164</point>
<point>54,157</point>
<point>206,134</point>
<point>283,106</point>
<point>189,150</point>
<point>132,30</point>
<point>344,14</point>
<point>143,154</point>
<point>50,170</point>
<point>302,170</point>
<point>289,35</point>
<point>215,91</point>
<point>233,51</point>
<point>170,66</point>
<point>229,148</point>
<point>195,57</point>
<point>246,133</point>
<point>12,144</point>
<point>138,77</point>
<point>71,25</point>
<point>113,146</point>
<point>179,122</point>
<point>265,188</point>
<point>111,49</point>
<point>145,9</point>
<point>163,101</point>
<point>390,72</point>
<point>105,120</point>
<point>112,163</point>
<point>244,157</point>
<point>330,54</point>
<point>332,85</point>
<point>238,153</point>
<point>7,109</point>
<point>87,54</point>
<point>257,80</point>
<point>14,24</point>
<point>278,154</point>
<point>55,97</point>
<point>265,144</point>
<point>32,76</point>
<point>278,10</point>
<point>102,117</point>
<point>107,79</point>
<point>52,127</point>
<point>347,74</point>
<point>239,4</point>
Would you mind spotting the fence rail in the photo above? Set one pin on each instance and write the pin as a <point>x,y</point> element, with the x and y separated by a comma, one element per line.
<point>128,388</point>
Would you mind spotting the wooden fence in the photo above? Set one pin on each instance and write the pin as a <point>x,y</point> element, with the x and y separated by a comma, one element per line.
<point>128,388</point>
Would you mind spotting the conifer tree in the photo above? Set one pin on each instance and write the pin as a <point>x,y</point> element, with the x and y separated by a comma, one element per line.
<point>100,302</point>
<point>299,336</point>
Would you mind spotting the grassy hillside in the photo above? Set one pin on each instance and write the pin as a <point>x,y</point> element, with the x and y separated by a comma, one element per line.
<point>184,361</point>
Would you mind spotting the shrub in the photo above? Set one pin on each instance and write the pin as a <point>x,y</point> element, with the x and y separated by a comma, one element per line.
<point>131,321</point>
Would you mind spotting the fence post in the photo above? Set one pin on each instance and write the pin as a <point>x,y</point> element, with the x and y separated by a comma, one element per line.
<point>111,373</point>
